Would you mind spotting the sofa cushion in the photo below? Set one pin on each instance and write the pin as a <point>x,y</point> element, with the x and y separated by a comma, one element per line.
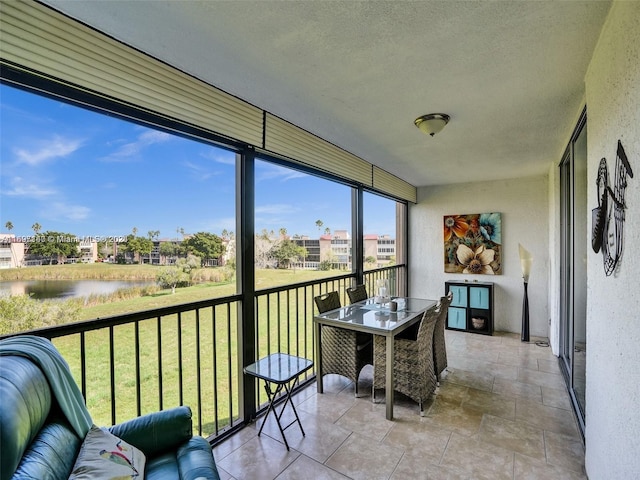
<point>51,454</point>
<point>26,402</point>
<point>103,455</point>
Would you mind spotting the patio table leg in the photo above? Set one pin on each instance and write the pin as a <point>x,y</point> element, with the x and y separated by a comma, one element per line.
<point>272,395</point>
<point>390,380</point>
<point>319,384</point>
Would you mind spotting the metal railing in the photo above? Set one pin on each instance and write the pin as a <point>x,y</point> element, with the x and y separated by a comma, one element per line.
<point>136,363</point>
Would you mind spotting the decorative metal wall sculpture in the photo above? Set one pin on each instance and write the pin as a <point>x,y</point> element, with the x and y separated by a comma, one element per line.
<point>606,234</point>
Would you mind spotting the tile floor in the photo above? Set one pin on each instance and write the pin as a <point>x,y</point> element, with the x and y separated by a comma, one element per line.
<point>501,411</point>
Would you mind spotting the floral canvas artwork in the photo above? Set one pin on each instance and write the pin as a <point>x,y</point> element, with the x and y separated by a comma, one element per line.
<point>473,243</point>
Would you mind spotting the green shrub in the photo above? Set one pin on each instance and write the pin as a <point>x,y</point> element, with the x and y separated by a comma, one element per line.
<point>119,295</point>
<point>19,313</point>
<point>212,275</point>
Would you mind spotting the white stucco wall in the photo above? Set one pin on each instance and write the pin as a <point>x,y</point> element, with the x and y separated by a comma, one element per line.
<point>554,259</point>
<point>523,204</point>
<point>613,306</point>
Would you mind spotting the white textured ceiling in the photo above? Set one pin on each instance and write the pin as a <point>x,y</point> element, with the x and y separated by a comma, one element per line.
<point>510,73</point>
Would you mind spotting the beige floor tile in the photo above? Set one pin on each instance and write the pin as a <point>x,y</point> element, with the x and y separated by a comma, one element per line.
<point>336,383</point>
<point>465,421</point>
<point>479,380</point>
<point>549,366</point>
<point>416,467</point>
<point>361,458</point>
<point>366,418</point>
<point>508,372</point>
<point>233,442</point>
<point>475,365</point>
<point>306,468</point>
<point>321,438</point>
<point>512,435</point>
<point>548,418</point>
<point>480,353</point>
<point>508,418</point>
<point>327,405</point>
<point>491,403</point>
<point>418,438</point>
<point>479,460</point>
<point>564,451</point>
<point>527,468</point>
<point>224,475</point>
<point>451,392</point>
<point>261,458</point>
<point>517,389</point>
<point>556,397</point>
<point>514,359</point>
<point>544,379</point>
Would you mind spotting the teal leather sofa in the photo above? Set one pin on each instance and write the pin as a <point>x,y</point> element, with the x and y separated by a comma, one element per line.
<point>37,440</point>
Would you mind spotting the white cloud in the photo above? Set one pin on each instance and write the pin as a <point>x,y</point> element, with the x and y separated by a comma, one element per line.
<point>20,188</point>
<point>61,210</point>
<point>220,156</point>
<point>199,171</point>
<point>219,224</point>
<point>275,172</point>
<point>131,149</point>
<point>276,209</point>
<point>56,147</point>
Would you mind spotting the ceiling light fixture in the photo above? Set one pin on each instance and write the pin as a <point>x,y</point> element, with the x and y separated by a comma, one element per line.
<point>432,123</point>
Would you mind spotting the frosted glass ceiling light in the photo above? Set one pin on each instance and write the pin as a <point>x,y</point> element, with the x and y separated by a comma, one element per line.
<point>432,123</point>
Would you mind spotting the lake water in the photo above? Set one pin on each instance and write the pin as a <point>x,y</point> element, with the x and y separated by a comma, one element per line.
<point>63,289</point>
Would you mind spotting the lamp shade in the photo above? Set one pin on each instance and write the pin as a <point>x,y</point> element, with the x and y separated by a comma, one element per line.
<point>526,260</point>
<point>432,123</point>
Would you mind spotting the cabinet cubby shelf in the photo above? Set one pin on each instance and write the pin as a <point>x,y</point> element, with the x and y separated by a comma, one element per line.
<point>471,309</point>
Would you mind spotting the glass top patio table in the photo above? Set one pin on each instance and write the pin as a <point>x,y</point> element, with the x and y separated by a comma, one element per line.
<point>283,370</point>
<point>279,367</point>
<point>377,319</point>
<point>368,316</point>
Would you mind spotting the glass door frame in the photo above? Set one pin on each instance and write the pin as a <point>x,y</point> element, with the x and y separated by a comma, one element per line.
<point>568,238</point>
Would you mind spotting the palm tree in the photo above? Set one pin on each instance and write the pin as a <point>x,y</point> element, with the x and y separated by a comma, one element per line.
<point>9,226</point>
<point>36,228</point>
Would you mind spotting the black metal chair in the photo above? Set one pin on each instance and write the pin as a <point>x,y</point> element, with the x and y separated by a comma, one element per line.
<point>344,352</point>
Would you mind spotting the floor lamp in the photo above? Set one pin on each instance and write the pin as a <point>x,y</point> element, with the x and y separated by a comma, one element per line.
<point>525,262</point>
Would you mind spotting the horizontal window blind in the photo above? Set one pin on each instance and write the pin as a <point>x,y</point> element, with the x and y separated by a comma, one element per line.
<point>286,139</point>
<point>388,183</point>
<point>42,41</point>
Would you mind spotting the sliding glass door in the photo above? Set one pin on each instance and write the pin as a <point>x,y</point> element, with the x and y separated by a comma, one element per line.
<point>573,266</point>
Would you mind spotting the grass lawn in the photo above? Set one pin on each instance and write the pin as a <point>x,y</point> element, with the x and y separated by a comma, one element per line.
<point>170,349</point>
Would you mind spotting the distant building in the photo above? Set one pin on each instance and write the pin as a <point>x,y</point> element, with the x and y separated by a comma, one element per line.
<point>88,251</point>
<point>337,248</point>
<point>12,252</point>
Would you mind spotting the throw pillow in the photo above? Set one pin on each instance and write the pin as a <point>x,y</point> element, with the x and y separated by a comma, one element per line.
<point>103,456</point>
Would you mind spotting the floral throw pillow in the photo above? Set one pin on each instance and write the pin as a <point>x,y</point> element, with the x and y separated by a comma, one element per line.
<point>103,456</point>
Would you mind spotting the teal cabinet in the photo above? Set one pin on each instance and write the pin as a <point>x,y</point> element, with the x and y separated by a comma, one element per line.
<point>457,318</point>
<point>459,295</point>
<point>471,308</point>
<point>479,297</point>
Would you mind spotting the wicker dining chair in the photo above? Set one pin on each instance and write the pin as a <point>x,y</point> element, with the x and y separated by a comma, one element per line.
<point>344,352</point>
<point>357,293</point>
<point>439,345</point>
<point>413,362</point>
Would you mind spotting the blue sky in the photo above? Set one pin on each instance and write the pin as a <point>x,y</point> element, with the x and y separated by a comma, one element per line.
<point>76,171</point>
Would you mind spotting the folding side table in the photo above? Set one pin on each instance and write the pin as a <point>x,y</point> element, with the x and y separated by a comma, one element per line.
<point>283,370</point>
